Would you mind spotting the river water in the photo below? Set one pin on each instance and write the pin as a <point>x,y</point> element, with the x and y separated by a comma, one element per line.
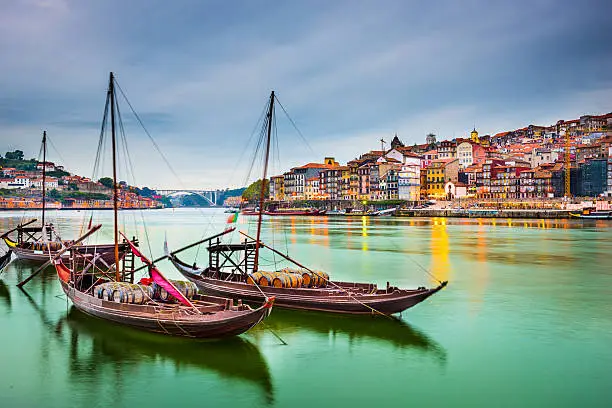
<point>526,320</point>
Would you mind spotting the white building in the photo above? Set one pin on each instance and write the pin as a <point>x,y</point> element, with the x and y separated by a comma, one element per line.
<point>537,157</point>
<point>20,182</point>
<point>455,189</point>
<point>409,179</point>
<point>609,191</point>
<point>50,182</point>
<point>49,166</point>
<point>465,154</point>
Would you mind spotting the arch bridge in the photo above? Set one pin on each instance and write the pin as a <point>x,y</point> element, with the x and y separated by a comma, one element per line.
<point>209,195</point>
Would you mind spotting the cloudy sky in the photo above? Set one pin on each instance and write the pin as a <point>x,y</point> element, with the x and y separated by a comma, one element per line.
<point>348,72</point>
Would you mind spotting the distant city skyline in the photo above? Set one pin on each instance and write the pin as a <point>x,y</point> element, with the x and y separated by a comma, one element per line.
<point>348,72</point>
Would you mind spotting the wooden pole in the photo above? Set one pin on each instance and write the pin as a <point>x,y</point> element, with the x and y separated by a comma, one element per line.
<point>111,94</point>
<point>263,181</point>
<point>17,227</point>
<point>44,176</point>
<point>59,254</point>
<point>161,258</point>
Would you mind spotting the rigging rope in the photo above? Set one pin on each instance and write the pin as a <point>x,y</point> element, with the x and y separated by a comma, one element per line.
<point>294,125</point>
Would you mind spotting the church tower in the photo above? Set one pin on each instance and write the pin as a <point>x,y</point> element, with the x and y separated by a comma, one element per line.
<point>474,136</point>
<point>395,143</point>
<point>430,139</point>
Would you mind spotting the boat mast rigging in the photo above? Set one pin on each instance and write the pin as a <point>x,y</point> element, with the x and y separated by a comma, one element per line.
<point>111,96</point>
<point>270,116</point>
<point>44,175</point>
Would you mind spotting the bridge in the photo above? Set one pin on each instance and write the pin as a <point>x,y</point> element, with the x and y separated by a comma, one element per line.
<point>209,195</point>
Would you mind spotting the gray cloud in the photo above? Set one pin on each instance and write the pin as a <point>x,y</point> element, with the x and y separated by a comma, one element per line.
<point>348,72</point>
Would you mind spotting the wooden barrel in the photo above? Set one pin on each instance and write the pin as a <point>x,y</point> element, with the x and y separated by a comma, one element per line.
<point>281,280</point>
<point>296,280</point>
<point>187,288</point>
<point>163,294</point>
<point>98,291</point>
<point>266,279</point>
<point>148,290</point>
<point>318,279</point>
<point>306,279</point>
<point>121,295</point>
<point>109,289</point>
<point>253,278</point>
<point>139,296</point>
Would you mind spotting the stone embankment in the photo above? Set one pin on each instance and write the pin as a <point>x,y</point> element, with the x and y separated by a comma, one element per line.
<point>485,213</point>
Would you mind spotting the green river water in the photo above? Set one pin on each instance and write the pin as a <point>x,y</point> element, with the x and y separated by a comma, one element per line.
<point>526,321</point>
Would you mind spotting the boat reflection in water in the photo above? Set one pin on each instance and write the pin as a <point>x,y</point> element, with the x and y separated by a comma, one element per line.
<point>392,331</point>
<point>96,346</point>
<point>5,295</point>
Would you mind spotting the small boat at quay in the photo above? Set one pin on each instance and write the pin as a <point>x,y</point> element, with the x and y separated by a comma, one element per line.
<point>285,211</point>
<point>591,214</point>
<point>233,271</point>
<point>154,303</point>
<point>294,211</point>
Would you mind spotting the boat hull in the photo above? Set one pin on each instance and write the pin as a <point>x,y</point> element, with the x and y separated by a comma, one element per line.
<point>303,212</point>
<point>593,216</point>
<point>219,324</point>
<point>325,300</point>
<point>107,251</point>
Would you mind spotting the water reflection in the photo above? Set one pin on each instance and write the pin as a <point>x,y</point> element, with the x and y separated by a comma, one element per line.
<point>95,346</point>
<point>394,332</point>
<point>440,264</point>
<point>107,344</point>
<point>5,295</point>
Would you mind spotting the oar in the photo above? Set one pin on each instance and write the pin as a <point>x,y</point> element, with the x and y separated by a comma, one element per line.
<point>17,227</point>
<point>59,254</point>
<point>161,258</point>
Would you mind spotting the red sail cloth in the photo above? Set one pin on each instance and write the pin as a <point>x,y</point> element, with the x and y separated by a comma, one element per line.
<point>158,278</point>
<point>62,271</point>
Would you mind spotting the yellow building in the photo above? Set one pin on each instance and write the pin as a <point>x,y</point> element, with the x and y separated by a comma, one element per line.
<point>438,173</point>
<point>277,188</point>
<point>311,189</point>
<point>345,189</point>
<point>474,136</point>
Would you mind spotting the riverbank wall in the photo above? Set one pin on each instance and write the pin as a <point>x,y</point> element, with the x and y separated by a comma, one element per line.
<point>485,213</point>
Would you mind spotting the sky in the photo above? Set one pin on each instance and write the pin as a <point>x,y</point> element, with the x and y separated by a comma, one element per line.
<point>349,73</point>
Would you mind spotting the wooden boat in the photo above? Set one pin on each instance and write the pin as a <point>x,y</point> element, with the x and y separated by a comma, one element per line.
<point>339,297</point>
<point>39,243</point>
<point>154,304</point>
<point>31,246</point>
<point>224,276</point>
<point>294,211</point>
<point>249,211</point>
<point>591,214</point>
<point>211,317</point>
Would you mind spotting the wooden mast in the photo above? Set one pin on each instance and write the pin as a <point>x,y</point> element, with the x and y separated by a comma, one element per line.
<point>44,176</point>
<point>263,181</point>
<point>111,95</point>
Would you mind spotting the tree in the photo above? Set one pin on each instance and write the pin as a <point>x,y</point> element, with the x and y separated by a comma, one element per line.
<point>14,155</point>
<point>253,191</point>
<point>106,182</point>
<point>54,194</point>
<point>145,192</point>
